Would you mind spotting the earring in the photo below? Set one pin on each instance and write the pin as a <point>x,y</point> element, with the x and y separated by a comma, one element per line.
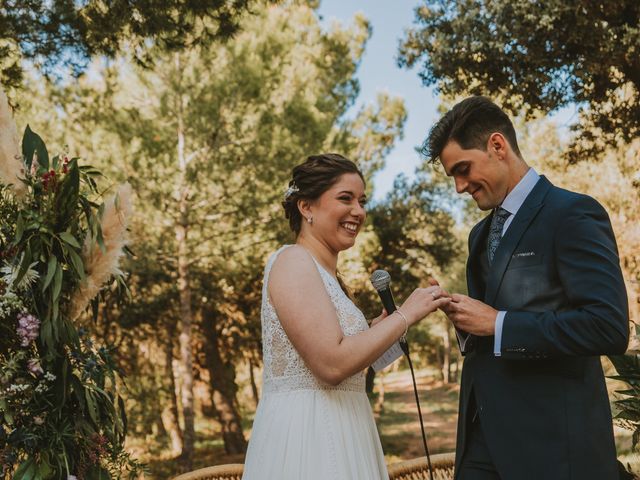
<point>310,220</point>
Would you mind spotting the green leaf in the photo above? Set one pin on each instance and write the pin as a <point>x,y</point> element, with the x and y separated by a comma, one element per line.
<point>67,197</point>
<point>24,265</point>
<point>8,418</point>
<point>76,261</point>
<point>26,470</point>
<point>44,470</point>
<point>92,407</point>
<point>47,334</point>
<point>55,311</point>
<point>19,229</point>
<point>52,264</point>
<point>98,473</point>
<point>33,144</point>
<point>57,283</point>
<point>70,239</point>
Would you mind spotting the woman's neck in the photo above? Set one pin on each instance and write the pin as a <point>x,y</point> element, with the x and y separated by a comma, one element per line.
<point>320,251</point>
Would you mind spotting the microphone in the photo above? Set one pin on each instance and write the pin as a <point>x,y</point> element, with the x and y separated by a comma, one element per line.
<point>380,279</point>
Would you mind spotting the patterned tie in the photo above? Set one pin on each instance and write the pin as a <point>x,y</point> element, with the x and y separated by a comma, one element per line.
<point>495,231</point>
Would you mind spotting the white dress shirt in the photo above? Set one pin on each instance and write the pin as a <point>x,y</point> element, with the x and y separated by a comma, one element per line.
<point>512,204</point>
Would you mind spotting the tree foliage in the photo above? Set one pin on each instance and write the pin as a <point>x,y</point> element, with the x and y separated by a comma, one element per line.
<point>537,56</point>
<point>67,33</point>
<point>248,111</point>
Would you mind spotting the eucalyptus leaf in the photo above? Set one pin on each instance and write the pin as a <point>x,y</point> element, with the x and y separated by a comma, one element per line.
<point>91,406</point>
<point>70,239</point>
<point>26,470</point>
<point>57,282</point>
<point>76,261</point>
<point>19,229</point>
<point>51,269</point>
<point>25,263</point>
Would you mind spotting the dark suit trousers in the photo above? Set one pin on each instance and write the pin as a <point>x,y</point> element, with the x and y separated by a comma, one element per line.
<point>476,461</point>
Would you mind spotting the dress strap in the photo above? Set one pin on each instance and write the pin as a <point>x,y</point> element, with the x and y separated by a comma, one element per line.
<point>270,262</point>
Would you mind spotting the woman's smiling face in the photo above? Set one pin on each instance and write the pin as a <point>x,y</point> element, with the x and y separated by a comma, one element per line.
<point>338,215</point>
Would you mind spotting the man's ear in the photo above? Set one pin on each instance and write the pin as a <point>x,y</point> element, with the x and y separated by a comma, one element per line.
<point>498,144</point>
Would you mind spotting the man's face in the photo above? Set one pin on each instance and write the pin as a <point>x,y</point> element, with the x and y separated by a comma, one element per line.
<point>483,175</point>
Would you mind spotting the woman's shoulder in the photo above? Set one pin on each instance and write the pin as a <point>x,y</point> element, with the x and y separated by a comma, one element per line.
<point>292,257</point>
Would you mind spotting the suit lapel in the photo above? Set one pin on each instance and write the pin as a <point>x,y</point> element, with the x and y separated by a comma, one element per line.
<point>527,212</point>
<point>474,282</point>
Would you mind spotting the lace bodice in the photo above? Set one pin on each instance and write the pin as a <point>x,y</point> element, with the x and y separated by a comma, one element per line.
<point>284,369</point>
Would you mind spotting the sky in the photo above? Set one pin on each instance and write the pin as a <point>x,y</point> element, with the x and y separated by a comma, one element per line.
<point>379,72</point>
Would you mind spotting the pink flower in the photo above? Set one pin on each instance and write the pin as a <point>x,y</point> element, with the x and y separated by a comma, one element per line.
<point>28,328</point>
<point>33,365</point>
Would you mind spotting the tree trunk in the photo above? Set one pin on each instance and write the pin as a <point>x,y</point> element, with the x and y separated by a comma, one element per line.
<point>254,387</point>
<point>170,412</point>
<point>439,360</point>
<point>446,360</point>
<point>456,371</point>
<point>224,388</point>
<point>184,290</point>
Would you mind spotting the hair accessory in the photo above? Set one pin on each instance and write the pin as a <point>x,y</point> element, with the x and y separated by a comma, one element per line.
<point>293,188</point>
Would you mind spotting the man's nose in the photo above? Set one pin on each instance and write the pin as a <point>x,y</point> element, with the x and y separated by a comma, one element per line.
<point>461,185</point>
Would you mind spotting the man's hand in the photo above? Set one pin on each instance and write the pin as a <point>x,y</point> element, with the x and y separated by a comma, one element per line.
<point>471,316</point>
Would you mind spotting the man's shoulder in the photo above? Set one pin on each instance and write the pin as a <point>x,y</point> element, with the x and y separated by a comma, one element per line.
<point>562,200</point>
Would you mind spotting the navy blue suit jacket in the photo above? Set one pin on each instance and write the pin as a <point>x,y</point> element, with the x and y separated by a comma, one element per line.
<point>543,404</point>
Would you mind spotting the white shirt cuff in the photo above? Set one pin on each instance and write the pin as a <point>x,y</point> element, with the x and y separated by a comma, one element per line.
<point>497,341</point>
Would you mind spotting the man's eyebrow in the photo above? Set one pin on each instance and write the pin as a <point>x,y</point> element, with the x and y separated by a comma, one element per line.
<point>457,167</point>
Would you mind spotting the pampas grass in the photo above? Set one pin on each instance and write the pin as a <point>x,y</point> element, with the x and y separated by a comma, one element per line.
<point>100,264</point>
<point>10,152</point>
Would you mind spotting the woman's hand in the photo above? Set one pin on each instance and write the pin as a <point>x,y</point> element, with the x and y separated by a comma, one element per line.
<point>424,301</point>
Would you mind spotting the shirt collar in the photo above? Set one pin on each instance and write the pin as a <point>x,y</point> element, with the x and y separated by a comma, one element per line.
<point>521,191</point>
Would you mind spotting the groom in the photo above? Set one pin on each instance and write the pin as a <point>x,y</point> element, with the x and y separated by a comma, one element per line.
<point>546,299</point>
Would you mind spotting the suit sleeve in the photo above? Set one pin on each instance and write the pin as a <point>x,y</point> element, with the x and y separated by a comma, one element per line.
<point>595,321</point>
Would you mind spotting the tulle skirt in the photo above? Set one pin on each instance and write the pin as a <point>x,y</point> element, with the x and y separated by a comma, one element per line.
<point>315,435</point>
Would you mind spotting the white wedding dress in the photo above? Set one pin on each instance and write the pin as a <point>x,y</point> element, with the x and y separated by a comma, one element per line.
<point>305,429</point>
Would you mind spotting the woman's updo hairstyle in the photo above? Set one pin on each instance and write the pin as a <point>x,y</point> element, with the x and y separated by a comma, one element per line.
<point>311,179</point>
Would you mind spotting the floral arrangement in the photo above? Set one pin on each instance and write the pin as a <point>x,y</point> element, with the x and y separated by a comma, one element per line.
<point>61,411</point>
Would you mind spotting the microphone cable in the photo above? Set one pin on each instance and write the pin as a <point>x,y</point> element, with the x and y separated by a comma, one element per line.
<point>405,348</point>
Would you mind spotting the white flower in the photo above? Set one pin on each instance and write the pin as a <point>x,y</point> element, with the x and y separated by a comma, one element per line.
<point>10,275</point>
<point>17,388</point>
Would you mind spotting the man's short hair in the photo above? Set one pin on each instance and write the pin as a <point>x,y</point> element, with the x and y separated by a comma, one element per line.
<point>469,123</point>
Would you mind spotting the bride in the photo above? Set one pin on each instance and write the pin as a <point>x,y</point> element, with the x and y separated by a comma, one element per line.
<point>314,420</point>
